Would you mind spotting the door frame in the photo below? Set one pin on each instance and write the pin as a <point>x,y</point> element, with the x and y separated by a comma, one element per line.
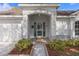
<point>39,27</point>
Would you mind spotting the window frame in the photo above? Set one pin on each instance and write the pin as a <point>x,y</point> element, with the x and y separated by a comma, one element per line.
<point>76,28</point>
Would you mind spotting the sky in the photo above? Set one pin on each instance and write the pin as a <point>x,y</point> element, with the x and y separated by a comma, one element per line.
<point>62,6</point>
<point>69,6</point>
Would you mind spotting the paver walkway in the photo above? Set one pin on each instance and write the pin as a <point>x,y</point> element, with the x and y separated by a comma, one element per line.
<point>39,49</point>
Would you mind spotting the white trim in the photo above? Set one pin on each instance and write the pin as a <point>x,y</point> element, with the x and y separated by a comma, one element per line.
<point>11,15</point>
<point>65,16</point>
<point>75,13</point>
<point>33,12</point>
<point>39,4</point>
<point>28,12</point>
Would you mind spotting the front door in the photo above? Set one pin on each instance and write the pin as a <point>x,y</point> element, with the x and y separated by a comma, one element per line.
<point>39,29</point>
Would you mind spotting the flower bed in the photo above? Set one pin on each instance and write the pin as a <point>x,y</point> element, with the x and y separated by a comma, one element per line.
<point>23,47</point>
<point>63,48</point>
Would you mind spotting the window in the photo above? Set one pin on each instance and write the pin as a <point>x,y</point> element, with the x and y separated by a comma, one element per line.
<point>77,28</point>
<point>35,29</point>
<point>44,29</point>
<point>39,33</point>
<point>39,26</point>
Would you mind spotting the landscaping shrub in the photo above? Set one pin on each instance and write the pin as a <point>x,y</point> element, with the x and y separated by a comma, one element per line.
<point>23,44</point>
<point>62,44</point>
<point>72,42</point>
<point>77,42</point>
<point>57,45</point>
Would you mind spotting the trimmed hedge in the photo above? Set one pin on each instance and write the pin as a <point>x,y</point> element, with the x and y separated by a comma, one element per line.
<point>23,44</point>
<point>62,44</point>
<point>56,45</point>
<point>72,42</point>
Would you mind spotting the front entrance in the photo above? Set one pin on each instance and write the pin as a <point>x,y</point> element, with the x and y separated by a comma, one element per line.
<point>39,29</point>
<point>39,25</point>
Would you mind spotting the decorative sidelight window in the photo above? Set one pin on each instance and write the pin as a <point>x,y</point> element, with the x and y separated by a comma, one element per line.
<point>77,28</point>
<point>35,29</point>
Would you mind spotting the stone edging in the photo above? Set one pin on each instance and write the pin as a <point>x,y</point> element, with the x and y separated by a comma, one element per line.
<point>31,50</point>
<point>46,49</point>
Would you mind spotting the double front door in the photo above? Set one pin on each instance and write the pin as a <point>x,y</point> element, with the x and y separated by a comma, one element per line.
<point>39,29</point>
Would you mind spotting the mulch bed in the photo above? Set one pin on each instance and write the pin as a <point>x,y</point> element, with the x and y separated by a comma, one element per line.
<point>71,51</point>
<point>23,52</point>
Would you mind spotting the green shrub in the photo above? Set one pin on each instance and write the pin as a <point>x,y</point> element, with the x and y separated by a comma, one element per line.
<point>23,44</point>
<point>72,42</point>
<point>61,44</point>
<point>69,42</point>
<point>77,42</point>
<point>57,45</point>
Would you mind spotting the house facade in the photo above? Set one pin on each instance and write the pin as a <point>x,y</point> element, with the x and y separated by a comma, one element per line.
<point>34,20</point>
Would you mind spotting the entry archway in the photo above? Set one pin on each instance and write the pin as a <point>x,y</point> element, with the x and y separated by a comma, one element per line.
<point>33,14</point>
<point>39,25</point>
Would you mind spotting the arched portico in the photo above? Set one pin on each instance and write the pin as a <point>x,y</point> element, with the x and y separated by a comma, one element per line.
<point>42,18</point>
<point>38,25</point>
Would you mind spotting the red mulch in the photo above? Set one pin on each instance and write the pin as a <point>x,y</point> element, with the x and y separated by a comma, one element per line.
<point>66,52</point>
<point>24,51</point>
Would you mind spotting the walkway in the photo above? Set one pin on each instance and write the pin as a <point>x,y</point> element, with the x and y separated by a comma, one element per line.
<point>39,49</point>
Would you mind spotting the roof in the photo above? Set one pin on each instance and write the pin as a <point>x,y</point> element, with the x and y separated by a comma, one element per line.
<point>13,11</point>
<point>17,11</point>
<point>65,12</point>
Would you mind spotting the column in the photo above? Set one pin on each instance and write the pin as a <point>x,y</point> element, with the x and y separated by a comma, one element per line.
<point>25,26</point>
<point>52,27</point>
<point>72,24</point>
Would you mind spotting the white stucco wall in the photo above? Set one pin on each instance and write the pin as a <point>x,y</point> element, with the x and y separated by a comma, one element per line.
<point>63,28</point>
<point>73,20</point>
<point>10,28</point>
<point>10,33</point>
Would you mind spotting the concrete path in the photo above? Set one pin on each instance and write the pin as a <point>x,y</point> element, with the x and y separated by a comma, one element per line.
<point>6,47</point>
<point>39,49</point>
